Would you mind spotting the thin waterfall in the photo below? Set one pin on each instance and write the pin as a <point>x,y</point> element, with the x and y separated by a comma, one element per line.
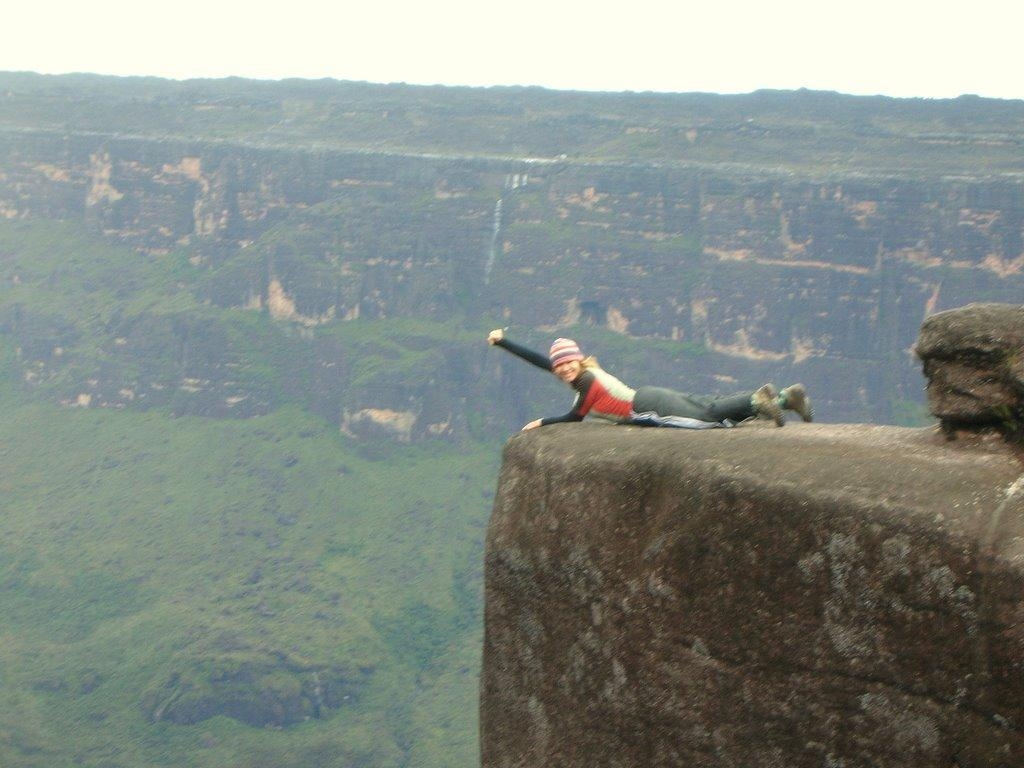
<point>493,250</point>
<point>513,181</point>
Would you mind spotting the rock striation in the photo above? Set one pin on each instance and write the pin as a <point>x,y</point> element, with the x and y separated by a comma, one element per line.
<point>819,595</point>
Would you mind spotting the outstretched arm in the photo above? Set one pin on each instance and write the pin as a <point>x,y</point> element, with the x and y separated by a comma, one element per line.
<point>497,338</point>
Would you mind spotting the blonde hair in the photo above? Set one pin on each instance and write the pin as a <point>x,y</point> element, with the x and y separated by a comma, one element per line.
<point>589,362</point>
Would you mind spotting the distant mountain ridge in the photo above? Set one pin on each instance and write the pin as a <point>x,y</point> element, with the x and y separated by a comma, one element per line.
<point>770,236</point>
<point>848,134</point>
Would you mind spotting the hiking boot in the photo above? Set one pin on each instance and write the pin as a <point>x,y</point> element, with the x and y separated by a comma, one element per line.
<point>794,398</point>
<point>766,404</point>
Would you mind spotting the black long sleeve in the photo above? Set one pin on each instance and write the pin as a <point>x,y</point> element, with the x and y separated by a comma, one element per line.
<point>573,415</point>
<point>533,358</point>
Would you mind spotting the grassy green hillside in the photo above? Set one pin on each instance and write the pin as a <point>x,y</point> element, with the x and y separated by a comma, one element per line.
<point>149,562</point>
<point>186,590</point>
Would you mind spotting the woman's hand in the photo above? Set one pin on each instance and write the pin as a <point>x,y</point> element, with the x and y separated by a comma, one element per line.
<point>495,336</point>
<point>532,425</point>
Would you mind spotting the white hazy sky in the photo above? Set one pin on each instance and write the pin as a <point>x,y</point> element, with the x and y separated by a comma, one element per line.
<point>934,49</point>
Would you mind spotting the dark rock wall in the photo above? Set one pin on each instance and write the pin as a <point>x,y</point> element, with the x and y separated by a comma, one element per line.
<point>819,595</point>
<point>778,277</point>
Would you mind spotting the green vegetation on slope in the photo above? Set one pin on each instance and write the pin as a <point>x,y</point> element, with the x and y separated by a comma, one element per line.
<point>171,584</point>
<point>149,564</point>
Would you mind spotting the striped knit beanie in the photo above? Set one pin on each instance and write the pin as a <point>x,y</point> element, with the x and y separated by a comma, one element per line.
<point>564,351</point>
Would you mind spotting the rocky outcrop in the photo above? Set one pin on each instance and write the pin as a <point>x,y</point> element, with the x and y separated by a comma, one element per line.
<point>974,361</point>
<point>818,595</point>
<point>256,687</point>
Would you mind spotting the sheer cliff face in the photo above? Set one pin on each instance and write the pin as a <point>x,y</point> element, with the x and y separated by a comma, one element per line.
<point>772,276</point>
<point>815,595</point>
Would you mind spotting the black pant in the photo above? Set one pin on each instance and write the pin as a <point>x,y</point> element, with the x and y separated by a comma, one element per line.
<point>668,402</point>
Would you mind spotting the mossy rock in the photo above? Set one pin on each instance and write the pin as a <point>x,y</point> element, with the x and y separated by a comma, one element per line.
<point>257,688</point>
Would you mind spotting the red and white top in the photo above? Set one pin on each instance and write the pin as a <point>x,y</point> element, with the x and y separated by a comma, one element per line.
<point>601,395</point>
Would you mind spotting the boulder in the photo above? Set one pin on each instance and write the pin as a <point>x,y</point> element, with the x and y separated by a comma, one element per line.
<point>974,362</point>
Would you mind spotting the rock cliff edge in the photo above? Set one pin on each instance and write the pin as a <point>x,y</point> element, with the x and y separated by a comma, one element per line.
<point>818,595</point>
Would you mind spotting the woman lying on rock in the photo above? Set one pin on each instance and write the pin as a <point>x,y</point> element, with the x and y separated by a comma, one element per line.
<point>601,395</point>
